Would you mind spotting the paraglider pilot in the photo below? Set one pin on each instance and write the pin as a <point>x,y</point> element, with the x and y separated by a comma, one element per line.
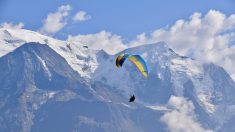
<point>132,99</point>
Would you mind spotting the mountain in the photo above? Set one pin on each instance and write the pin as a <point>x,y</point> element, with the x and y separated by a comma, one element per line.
<point>53,85</point>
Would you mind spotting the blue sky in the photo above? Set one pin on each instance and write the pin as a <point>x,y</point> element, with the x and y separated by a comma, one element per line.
<point>122,17</point>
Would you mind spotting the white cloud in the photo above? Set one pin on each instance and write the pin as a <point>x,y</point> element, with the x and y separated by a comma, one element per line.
<point>81,16</point>
<point>56,21</point>
<point>102,40</point>
<point>182,117</point>
<point>207,38</point>
<point>12,26</point>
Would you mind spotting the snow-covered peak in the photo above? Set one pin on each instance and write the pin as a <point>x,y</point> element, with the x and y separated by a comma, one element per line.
<point>80,58</point>
<point>151,49</point>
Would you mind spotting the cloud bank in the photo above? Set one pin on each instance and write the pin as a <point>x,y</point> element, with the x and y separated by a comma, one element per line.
<point>182,117</point>
<point>102,40</point>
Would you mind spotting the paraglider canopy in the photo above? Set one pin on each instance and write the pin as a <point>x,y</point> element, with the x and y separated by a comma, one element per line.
<point>135,59</point>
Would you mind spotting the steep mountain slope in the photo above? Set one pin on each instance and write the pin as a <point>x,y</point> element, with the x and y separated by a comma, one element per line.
<point>41,92</point>
<point>30,76</point>
<point>54,85</point>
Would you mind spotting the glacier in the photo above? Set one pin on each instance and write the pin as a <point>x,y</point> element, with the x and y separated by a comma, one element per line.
<point>54,85</point>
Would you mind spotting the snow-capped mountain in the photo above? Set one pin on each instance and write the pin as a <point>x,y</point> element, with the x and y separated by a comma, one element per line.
<point>53,85</point>
<point>75,55</point>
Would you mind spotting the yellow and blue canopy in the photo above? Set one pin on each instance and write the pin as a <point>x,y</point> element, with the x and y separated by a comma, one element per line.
<point>135,59</point>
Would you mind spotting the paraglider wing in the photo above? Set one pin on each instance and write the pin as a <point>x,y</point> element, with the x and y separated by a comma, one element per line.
<point>140,64</point>
<point>135,59</point>
<point>121,59</point>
